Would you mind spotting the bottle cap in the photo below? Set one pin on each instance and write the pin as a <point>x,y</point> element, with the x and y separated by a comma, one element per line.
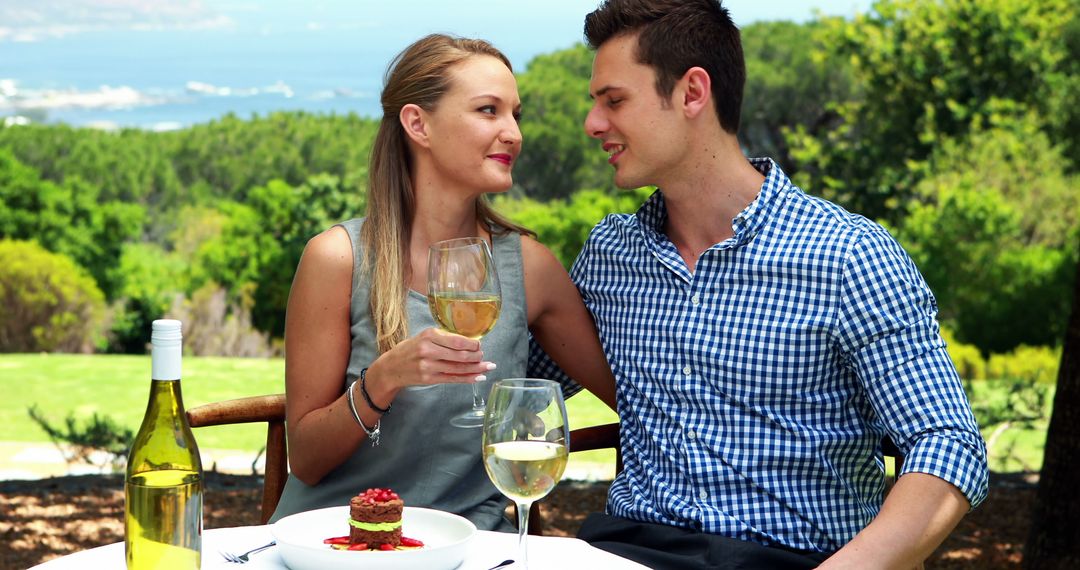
<point>166,332</point>
<point>165,353</point>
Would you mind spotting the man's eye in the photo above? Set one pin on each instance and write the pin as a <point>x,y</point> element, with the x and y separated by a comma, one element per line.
<point>613,102</point>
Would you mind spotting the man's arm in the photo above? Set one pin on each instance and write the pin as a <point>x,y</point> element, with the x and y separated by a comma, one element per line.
<point>918,514</point>
<point>890,336</point>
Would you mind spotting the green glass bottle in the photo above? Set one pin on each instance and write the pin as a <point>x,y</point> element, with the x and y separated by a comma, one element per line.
<point>163,491</point>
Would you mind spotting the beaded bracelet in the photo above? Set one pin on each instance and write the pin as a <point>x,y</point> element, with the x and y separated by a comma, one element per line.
<point>367,397</point>
<point>373,433</point>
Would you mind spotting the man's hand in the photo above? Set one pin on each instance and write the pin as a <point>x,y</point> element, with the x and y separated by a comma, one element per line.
<point>918,514</point>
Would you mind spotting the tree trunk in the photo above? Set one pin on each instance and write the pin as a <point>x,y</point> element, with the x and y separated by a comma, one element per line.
<point>1054,541</point>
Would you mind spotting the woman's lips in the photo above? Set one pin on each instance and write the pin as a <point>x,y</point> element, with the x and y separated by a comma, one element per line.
<point>503,158</point>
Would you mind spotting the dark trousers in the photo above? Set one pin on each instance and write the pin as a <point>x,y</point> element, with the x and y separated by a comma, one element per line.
<point>661,547</point>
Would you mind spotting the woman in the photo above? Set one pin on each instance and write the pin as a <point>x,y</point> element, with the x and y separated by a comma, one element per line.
<point>357,308</point>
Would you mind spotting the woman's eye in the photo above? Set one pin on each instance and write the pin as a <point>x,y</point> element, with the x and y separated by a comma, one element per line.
<point>517,116</point>
<point>489,109</point>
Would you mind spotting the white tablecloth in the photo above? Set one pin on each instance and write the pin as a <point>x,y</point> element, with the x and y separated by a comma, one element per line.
<point>486,550</point>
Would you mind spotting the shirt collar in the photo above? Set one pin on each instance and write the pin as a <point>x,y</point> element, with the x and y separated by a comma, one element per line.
<point>653,213</point>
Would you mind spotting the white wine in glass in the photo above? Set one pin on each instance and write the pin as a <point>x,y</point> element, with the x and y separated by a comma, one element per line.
<point>465,299</point>
<point>525,444</point>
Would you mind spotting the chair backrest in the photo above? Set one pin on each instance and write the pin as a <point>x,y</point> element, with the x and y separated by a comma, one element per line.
<point>607,437</point>
<point>268,409</point>
<point>604,436</point>
<point>271,410</point>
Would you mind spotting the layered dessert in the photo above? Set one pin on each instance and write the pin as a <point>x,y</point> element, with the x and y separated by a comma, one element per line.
<point>375,518</point>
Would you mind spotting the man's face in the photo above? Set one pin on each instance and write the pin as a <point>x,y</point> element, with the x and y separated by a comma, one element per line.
<point>638,128</point>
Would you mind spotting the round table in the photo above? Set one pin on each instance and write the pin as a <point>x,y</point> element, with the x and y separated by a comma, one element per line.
<point>486,550</point>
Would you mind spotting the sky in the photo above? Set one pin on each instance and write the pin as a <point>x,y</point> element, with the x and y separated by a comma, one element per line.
<point>169,63</point>
<point>559,20</point>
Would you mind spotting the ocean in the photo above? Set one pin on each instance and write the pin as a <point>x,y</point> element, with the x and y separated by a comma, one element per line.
<point>165,80</point>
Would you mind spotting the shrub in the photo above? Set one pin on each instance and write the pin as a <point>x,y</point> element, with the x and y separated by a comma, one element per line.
<point>214,327</point>
<point>47,302</point>
<point>99,434</point>
<point>1037,363</point>
<point>966,358</point>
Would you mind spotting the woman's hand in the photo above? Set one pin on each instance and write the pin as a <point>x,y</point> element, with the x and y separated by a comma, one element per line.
<point>432,357</point>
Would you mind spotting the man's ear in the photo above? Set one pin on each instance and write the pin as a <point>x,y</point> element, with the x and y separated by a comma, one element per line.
<point>414,121</point>
<point>696,91</point>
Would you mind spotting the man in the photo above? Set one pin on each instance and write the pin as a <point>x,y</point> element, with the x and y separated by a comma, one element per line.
<point>763,340</point>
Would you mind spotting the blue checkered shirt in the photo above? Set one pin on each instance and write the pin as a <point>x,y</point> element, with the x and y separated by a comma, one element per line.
<point>755,391</point>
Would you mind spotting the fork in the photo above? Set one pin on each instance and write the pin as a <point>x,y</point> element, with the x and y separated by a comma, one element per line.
<point>243,558</point>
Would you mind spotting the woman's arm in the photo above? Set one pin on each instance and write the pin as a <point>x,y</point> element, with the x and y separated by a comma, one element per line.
<point>321,429</point>
<point>561,324</point>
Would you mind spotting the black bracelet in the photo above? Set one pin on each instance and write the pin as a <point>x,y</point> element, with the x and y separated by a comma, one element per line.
<point>367,397</point>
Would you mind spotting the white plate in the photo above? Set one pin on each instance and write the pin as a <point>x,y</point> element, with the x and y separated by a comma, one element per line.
<point>300,541</point>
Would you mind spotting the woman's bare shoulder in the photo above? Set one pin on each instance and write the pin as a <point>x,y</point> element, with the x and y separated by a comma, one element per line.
<point>331,249</point>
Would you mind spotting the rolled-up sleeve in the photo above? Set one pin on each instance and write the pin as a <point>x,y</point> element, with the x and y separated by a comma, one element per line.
<point>889,334</point>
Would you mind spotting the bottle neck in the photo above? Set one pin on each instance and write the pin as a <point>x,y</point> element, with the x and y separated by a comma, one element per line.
<point>165,361</point>
<point>166,400</point>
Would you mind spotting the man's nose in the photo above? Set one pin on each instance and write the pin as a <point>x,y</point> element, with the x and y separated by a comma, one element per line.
<point>595,122</point>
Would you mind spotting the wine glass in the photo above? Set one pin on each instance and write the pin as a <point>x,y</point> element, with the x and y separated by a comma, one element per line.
<point>526,441</point>
<point>464,298</point>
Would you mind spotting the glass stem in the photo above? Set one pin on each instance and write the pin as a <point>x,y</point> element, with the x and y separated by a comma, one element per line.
<point>523,532</point>
<point>477,399</point>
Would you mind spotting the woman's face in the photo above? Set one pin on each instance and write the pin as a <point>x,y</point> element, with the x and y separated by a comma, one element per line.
<point>473,130</point>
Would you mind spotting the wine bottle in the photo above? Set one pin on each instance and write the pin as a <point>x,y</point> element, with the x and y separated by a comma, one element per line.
<point>163,490</point>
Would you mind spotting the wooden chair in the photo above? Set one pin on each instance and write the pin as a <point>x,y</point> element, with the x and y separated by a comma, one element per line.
<point>604,436</point>
<point>271,410</point>
<point>607,437</point>
<point>268,409</point>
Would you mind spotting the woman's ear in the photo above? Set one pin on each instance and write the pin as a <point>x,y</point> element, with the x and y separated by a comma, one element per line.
<point>414,121</point>
<point>696,91</point>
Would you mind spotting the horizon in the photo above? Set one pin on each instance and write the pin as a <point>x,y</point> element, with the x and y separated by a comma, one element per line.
<point>161,65</point>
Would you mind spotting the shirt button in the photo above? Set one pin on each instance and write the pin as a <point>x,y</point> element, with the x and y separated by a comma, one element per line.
<point>703,494</point>
<point>695,299</point>
<point>686,370</point>
<point>691,434</point>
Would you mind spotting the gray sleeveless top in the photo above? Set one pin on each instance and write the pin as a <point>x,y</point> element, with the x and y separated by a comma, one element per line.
<point>421,456</point>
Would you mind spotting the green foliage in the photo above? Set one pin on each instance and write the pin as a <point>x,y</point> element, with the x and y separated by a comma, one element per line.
<point>792,81</point>
<point>148,280</point>
<point>928,71</point>
<point>83,443</point>
<point>564,225</point>
<point>47,302</point>
<point>967,359</point>
<point>1009,411</point>
<point>1036,363</point>
<point>559,158</point>
<point>213,325</point>
<point>991,233</point>
<point>66,218</point>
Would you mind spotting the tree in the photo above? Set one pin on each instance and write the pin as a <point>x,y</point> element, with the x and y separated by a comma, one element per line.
<point>927,71</point>
<point>47,302</point>
<point>1054,539</point>
<point>990,227</point>
<point>792,82</point>
<point>559,157</point>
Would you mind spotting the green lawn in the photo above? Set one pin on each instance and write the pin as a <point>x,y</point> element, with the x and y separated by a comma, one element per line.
<point>117,386</point>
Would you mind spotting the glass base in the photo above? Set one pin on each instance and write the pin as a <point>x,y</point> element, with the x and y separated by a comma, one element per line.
<point>471,419</point>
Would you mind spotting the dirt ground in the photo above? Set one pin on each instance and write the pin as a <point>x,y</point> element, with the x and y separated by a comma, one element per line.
<point>48,518</point>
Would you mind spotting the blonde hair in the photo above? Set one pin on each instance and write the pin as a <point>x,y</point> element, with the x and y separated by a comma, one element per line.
<point>419,75</point>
